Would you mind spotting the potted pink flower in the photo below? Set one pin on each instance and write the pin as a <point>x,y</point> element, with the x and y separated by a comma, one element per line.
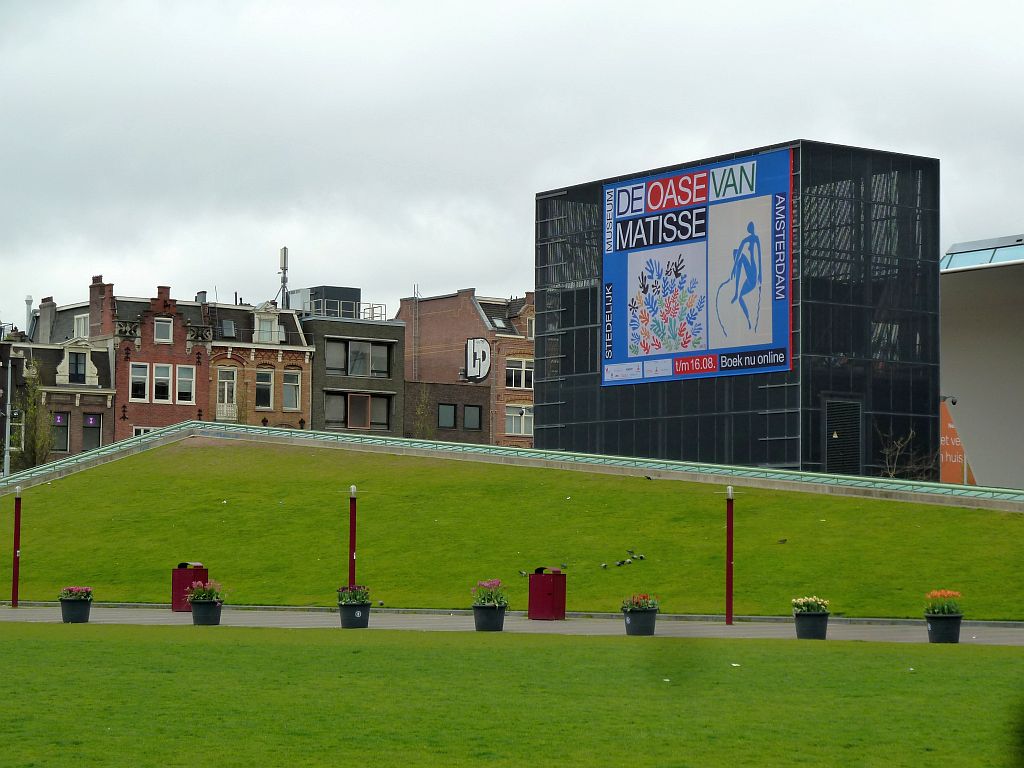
<point>489,605</point>
<point>75,603</point>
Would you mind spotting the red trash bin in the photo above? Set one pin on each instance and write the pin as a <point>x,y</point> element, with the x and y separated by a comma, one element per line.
<point>181,579</point>
<point>547,595</point>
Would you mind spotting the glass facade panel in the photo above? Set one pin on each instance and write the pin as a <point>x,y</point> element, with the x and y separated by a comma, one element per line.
<point>970,259</point>
<point>1010,253</point>
<point>865,320</point>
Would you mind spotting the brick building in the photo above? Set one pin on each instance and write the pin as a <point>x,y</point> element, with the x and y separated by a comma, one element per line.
<point>477,343</point>
<point>161,357</point>
<point>260,365</point>
<point>73,372</point>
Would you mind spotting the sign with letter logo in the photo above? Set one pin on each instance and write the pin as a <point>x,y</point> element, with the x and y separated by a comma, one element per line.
<point>478,359</point>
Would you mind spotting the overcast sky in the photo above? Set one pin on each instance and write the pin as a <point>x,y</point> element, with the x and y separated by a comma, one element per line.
<point>392,144</point>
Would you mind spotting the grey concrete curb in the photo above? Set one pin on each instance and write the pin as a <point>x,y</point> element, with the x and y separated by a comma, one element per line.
<point>695,617</point>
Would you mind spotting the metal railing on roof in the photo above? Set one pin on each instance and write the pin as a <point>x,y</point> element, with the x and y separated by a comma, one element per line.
<point>944,492</point>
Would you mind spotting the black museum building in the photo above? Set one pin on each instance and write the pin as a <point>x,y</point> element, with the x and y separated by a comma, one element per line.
<point>771,307</point>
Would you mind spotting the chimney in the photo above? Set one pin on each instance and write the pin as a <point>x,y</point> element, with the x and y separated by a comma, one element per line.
<point>163,292</point>
<point>47,314</point>
<point>101,307</point>
<point>28,313</point>
<point>201,297</point>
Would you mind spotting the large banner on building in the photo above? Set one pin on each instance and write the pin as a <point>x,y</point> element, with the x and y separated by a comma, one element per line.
<point>697,272</point>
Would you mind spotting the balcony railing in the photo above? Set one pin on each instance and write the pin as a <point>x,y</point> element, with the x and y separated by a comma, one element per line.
<point>353,310</point>
<point>227,412</point>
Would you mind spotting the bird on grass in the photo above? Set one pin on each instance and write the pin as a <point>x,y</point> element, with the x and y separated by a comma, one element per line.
<point>639,557</point>
<point>523,573</point>
<point>783,541</point>
<point>564,566</point>
<point>604,565</point>
<point>620,562</point>
<point>629,552</point>
<point>629,561</point>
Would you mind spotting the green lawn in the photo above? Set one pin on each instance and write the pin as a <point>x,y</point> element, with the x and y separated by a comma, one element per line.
<point>272,524</point>
<point>91,695</point>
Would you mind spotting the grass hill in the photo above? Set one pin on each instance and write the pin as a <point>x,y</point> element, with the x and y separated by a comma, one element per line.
<point>271,522</point>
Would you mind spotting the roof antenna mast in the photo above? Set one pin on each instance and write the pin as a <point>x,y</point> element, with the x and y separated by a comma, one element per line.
<point>283,293</point>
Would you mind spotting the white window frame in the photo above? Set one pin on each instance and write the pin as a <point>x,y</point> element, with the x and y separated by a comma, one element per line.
<point>518,368</point>
<point>136,431</point>
<point>296,385</point>
<point>169,377</point>
<point>177,384</point>
<point>81,327</point>
<point>264,372</point>
<point>163,322</point>
<point>531,327</point>
<point>227,407</point>
<point>131,382</point>
<point>520,417</point>
<point>266,330</point>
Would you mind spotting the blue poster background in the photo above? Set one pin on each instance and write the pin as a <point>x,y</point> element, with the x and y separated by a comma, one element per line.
<point>697,272</point>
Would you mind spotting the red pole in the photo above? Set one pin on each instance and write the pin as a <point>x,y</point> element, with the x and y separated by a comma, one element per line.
<point>16,566</point>
<point>352,536</point>
<point>728,554</point>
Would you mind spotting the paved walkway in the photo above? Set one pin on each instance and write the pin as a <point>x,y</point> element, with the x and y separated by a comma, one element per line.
<point>892,631</point>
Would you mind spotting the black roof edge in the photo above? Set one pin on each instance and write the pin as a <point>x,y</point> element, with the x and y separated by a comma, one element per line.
<point>719,158</point>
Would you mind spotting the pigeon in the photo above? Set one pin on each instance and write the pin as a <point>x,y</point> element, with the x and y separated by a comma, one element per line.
<point>629,552</point>
<point>640,557</point>
<point>523,573</point>
<point>629,561</point>
<point>783,541</point>
<point>564,566</point>
<point>604,565</point>
<point>620,562</point>
<point>380,602</point>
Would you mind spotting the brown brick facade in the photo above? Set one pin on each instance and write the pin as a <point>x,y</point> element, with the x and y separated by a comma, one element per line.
<point>247,362</point>
<point>137,344</point>
<point>437,329</point>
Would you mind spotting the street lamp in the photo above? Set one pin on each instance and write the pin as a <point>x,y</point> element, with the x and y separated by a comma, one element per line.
<point>352,536</point>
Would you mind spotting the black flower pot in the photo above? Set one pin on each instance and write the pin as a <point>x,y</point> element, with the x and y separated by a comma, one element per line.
<point>943,627</point>
<point>811,625</point>
<point>206,613</point>
<point>489,618</point>
<point>75,611</point>
<point>354,615</point>
<point>640,622</point>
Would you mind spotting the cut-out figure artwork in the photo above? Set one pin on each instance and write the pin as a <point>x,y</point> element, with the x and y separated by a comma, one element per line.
<point>746,275</point>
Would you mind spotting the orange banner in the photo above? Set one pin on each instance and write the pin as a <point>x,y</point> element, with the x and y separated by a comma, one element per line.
<point>953,464</point>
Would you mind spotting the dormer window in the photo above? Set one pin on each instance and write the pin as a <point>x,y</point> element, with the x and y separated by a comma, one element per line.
<point>266,328</point>
<point>163,330</point>
<point>81,327</point>
<point>76,367</point>
<point>499,324</point>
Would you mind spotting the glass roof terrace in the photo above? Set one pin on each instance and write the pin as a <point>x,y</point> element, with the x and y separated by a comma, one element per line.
<point>980,253</point>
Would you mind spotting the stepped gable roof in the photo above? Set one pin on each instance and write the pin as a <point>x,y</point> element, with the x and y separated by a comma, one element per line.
<point>129,309</point>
